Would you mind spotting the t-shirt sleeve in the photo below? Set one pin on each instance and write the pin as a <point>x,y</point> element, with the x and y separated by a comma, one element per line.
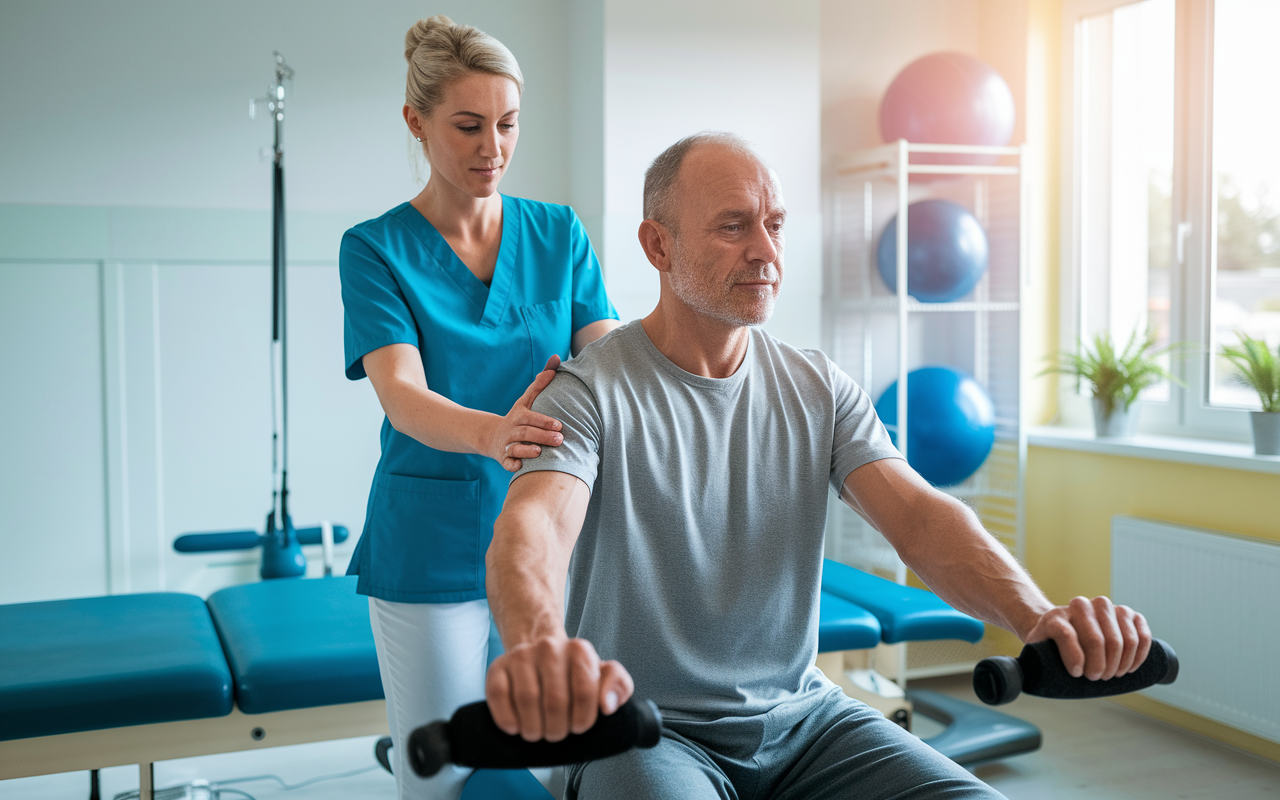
<point>375,313</point>
<point>569,400</point>
<point>860,437</point>
<point>590,302</point>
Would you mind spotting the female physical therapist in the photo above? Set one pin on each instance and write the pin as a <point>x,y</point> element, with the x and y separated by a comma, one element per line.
<point>453,303</point>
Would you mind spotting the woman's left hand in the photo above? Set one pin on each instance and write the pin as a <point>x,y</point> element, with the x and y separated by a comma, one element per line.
<point>522,432</point>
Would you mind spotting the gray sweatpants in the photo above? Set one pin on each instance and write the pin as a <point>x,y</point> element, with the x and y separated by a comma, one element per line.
<point>827,747</point>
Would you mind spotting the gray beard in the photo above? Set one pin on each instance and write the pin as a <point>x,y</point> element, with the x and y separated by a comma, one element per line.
<point>706,300</point>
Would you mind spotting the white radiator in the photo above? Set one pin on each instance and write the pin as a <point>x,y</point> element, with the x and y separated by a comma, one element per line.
<point>1216,599</point>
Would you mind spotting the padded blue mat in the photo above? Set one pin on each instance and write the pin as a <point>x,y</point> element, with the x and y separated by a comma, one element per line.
<point>297,643</point>
<point>845,626</point>
<point>906,614</point>
<point>107,662</point>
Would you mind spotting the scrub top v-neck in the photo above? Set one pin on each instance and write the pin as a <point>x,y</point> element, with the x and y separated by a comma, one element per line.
<point>430,513</point>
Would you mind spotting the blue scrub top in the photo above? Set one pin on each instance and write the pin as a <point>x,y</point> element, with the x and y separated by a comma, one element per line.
<point>431,513</point>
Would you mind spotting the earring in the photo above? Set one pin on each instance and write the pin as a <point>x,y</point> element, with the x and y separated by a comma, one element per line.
<point>419,138</point>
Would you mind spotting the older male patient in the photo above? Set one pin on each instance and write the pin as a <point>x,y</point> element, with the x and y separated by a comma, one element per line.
<point>687,505</point>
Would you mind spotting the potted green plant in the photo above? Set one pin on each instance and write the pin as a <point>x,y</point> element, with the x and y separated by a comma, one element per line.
<point>1116,377</point>
<point>1259,368</point>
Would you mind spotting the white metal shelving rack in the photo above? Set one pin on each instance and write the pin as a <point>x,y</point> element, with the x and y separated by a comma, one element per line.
<point>879,336</point>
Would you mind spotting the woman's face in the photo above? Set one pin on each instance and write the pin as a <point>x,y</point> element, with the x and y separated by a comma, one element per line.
<point>471,135</point>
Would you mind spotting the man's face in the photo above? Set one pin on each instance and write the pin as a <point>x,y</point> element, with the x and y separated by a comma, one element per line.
<point>726,260</point>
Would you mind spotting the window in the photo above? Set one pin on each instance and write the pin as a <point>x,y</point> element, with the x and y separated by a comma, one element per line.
<point>1174,193</point>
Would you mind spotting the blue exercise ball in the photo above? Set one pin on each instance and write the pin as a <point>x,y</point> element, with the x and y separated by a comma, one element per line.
<point>951,423</point>
<point>948,98</point>
<point>946,251</point>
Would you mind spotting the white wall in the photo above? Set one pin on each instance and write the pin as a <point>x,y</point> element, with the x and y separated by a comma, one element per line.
<point>145,103</point>
<point>751,67</point>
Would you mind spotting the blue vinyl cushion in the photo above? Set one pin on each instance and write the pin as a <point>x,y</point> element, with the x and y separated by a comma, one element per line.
<point>107,662</point>
<point>504,784</point>
<point>906,614</point>
<point>845,626</point>
<point>297,643</point>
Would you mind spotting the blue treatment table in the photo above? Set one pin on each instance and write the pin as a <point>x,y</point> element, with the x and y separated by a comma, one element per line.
<point>155,658</point>
<point>134,679</point>
<point>906,614</point>
<point>294,643</point>
<point>845,626</point>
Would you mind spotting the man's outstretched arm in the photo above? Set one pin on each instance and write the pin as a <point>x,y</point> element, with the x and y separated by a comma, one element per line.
<point>943,542</point>
<point>545,685</point>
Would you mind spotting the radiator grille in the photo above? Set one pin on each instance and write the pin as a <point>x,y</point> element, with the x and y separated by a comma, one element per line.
<point>1216,599</point>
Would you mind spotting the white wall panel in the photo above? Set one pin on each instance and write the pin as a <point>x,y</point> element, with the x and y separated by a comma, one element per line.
<point>215,323</point>
<point>52,523</point>
<point>334,422</point>
<point>137,408</point>
<point>215,365</point>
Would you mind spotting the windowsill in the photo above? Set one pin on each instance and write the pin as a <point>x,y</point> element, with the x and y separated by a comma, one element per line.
<point>1201,452</point>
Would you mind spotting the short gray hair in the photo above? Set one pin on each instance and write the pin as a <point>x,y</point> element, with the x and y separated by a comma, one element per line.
<point>660,178</point>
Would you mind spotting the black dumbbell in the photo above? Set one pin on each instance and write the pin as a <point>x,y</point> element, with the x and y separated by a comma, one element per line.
<point>1039,670</point>
<point>472,739</point>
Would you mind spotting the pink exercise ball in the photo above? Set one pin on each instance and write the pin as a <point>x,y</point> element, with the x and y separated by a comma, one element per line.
<point>948,98</point>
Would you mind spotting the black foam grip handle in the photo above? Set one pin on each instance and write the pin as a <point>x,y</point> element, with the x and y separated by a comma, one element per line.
<point>1039,670</point>
<point>471,739</point>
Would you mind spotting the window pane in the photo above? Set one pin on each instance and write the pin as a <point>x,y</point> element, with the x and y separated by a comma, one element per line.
<point>1127,94</point>
<point>1246,154</point>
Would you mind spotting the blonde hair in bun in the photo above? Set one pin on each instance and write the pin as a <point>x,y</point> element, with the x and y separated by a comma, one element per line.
<point>440,51</point>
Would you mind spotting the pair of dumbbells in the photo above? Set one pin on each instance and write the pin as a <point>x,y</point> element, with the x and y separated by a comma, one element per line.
<point>472,739</point>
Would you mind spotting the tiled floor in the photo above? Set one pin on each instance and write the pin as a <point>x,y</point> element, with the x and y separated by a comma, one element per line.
<point>1097,750</point>
<point>1093,750</point>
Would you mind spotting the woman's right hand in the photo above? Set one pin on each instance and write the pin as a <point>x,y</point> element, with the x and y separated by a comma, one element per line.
<point>522,432</point>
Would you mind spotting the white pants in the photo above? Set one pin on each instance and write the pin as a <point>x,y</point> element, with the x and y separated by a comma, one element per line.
<point>432,658</point>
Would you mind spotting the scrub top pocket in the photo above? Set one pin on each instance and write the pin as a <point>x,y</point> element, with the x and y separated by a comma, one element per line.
<point>550,328</point>
<point>426,531</point>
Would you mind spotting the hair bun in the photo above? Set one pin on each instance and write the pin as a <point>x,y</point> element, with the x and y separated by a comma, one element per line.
<point>422,30</point>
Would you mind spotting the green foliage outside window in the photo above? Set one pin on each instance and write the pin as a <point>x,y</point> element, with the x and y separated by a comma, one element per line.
<point>1248,230</point>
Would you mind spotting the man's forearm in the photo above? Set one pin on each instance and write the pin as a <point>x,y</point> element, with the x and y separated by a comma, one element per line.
<point>523,597</point>
<point>972,571</point>
<point>942,540</point>
<point>944,543</point>
<point>528,561</point>
<point>545,685</point>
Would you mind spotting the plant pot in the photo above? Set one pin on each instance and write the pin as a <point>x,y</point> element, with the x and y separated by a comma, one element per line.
<point>1266,432</point>
<point>1121,422</point>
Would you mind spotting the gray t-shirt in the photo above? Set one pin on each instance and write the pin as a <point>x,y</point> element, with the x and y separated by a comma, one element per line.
<point>699,562</point>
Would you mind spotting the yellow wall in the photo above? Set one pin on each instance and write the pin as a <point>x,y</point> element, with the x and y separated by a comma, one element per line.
<point>1071,496</point>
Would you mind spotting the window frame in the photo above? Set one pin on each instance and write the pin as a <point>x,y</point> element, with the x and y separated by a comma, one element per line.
<point>1193,221</point>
